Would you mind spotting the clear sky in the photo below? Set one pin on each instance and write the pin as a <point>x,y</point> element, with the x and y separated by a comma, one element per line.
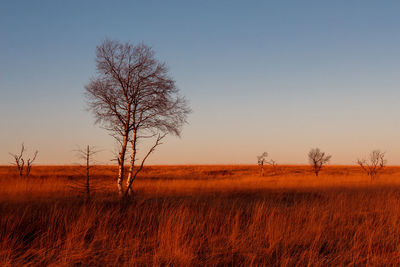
<point>276,76</point>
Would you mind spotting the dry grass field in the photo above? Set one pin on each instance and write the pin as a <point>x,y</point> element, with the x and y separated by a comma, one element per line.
<point>201,216</point>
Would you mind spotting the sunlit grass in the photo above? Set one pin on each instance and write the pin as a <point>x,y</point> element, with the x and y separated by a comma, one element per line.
<point>201,215</point>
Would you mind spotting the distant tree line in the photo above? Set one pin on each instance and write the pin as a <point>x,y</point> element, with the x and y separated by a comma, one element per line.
<point>317,159</point>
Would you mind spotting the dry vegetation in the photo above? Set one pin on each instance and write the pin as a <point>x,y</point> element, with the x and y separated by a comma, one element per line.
<point>201,215</point>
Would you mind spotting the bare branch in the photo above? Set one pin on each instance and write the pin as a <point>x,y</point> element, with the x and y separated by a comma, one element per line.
<point>30,162</point>
<point>151,150</point>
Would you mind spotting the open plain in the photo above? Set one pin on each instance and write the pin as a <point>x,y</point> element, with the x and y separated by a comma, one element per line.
<point>201,215</point>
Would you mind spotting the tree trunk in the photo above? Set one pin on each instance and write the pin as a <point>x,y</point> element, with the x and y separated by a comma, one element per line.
<point>132,164</point>
<point>121,162</point>
<point>130,173</point>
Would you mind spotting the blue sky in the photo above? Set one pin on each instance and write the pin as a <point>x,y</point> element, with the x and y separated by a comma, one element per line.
<point>276,76</point>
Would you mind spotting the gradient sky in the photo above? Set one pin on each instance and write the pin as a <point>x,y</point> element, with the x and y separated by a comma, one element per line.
<point>276,76</point>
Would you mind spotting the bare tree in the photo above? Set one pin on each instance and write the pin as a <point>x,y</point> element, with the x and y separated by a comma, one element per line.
<point>375,164</point>
<point>19,161</point>
<point>317,159</point>
<point>262,160</point>
<point>134,98</point>
<point>87,155</point>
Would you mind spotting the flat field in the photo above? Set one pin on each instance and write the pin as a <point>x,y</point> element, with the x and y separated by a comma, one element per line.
<point>201,216</point>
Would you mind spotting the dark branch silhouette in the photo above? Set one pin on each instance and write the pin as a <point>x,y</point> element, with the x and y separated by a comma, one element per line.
<point>30,162</point>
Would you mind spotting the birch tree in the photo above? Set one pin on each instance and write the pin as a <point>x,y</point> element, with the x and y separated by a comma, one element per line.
<point>133,97</point>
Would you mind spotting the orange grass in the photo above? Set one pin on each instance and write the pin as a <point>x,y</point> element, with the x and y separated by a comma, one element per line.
<point>201,215</point>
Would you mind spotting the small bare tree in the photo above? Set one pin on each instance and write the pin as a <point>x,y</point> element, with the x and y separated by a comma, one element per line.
<point>87,155</point>
<point>262,160</point>
<point>375,164</point>
<point>19,161</point>
<point>317,159</point>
